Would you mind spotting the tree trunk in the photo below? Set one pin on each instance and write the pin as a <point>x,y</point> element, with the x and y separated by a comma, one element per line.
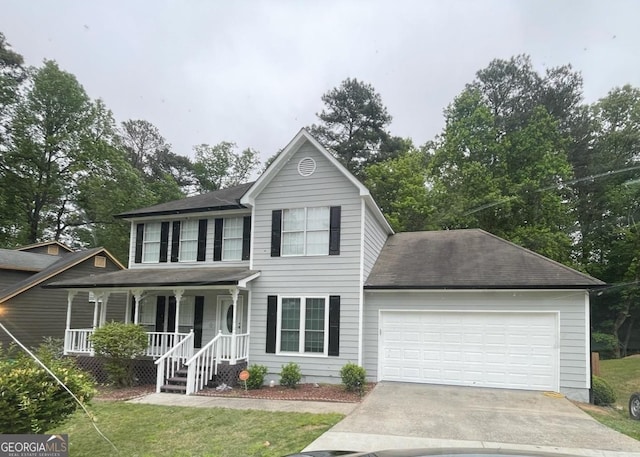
<point>625,345</point>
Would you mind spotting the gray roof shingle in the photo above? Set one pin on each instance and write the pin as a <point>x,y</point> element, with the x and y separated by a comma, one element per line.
<point>467,259</point>
<point>155,277</point>
<point>26,261</point>
<point>228,198</point>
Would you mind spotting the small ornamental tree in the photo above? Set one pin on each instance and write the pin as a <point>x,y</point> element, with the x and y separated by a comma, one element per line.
<point>31,400</point>
<point>119,344</point>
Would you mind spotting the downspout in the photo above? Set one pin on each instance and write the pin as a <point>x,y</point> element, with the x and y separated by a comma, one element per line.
<point>361,282</point>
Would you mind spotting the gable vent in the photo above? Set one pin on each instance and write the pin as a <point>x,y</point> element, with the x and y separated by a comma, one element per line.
<point>306,166</point>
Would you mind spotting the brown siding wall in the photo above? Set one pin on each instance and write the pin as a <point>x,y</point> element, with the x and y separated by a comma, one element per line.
<point>10,277</point>
<point>40,312</point>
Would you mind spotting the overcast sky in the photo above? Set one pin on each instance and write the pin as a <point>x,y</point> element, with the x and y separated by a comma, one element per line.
<point>253,72</point>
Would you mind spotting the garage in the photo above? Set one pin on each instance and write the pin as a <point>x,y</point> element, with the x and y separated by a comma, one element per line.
<point>515,350</point>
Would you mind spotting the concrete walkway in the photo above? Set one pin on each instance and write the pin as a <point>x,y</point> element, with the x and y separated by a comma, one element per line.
<point>197,401</point>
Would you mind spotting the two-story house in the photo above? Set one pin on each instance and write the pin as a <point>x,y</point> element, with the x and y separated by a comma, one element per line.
<point>301,266</point>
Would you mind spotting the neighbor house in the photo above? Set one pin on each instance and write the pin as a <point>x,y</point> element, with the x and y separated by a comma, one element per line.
<point>31,312</point>
<point>301,266</point>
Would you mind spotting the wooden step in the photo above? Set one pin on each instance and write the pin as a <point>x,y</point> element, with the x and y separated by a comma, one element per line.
<point>174,389</point>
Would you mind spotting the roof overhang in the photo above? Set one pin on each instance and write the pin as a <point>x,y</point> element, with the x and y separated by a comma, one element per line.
<point>167,278</point>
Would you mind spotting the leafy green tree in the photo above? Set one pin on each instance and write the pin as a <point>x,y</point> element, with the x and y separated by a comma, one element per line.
<point>219,166</point>
<point>354,125</point>
<point>399,187</point>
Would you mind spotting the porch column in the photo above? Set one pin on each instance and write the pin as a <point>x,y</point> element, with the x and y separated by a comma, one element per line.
<point>127,310</point>
<point>234,342</point>
<point>96,304</point>
<point>178,294</point>
<point>103,308</point>
<point>137,294</point>
<point>67,340</point>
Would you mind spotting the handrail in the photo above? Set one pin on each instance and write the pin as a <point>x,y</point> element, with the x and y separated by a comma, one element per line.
<point>178,353</point>
<point>204,363</point>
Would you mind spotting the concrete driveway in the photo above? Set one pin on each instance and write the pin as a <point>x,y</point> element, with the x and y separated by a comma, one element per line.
<point>402,415</point>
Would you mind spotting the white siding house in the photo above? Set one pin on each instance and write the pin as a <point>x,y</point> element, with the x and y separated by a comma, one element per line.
<point>301,266</point>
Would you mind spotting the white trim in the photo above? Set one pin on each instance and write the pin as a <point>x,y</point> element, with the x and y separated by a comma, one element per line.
<point>222,320</point>
<point>241,238</point>
<point>587,343</point>
<point>361,285</point>
<point>301,328</point>
<point>305,231</point>
<point>252,237</point>
<point>556,373</point>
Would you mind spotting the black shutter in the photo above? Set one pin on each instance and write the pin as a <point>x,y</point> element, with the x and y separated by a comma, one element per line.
<point>164,241</point>
<point>334,325</point>
<point>139,240</point>
<point>272,322</point>
<point>276,232</point>
<point>171,315</point>
<point>197,321</point>
<point>246,238</point>
<point>202,240</point>
<point>175,241</point>
<point>160,312</point>
<point>334,230</point>
<point>217,240</point>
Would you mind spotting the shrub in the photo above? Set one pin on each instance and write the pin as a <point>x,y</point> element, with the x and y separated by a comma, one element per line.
<point>603,394</point>
<point>31,400</point>
<point>119,344</point>
<point>353,377</point>
<point>290,375</point>
<point>256,376</point>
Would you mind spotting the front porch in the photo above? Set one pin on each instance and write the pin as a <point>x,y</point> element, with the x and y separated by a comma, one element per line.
<point>191,329</point>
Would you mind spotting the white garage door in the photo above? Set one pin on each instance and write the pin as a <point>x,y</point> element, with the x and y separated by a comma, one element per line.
<point>501,349</point>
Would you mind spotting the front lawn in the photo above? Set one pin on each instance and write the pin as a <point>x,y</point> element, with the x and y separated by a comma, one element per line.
<point>150,430</point>
<point>624,377</point>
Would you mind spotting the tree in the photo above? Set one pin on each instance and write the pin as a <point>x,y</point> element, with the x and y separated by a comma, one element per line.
<point>219,166</point>
<point>399,187</point>
<point>353,125</point>
<point>47,152</point>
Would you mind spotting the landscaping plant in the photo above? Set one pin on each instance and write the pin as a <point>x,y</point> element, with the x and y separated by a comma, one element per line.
<point>603,394</point>
<point>353,377</point>
<point>31,400</point>
<point>256,376</point>
<point>290,375</point>
<point>118,344</point>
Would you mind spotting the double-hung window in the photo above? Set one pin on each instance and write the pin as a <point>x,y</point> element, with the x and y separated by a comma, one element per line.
<point>232,238</point>
<point>151,243</point>
<point>304,325</point>
<point>305,231</point>
<point>188,241</point>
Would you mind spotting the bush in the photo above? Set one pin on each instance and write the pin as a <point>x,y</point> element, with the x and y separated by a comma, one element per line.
<point>353,377</point>
<point>256,376</point>
<point>290,375</point>
<point>603,394</point>
<point>119,344</point>
<point>31,400</point>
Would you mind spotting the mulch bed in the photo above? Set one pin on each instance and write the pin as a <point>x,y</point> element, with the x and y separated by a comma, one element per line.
<point>304,392</point>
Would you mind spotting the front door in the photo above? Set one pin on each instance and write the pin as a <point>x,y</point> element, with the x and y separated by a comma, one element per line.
<point>225,315</point>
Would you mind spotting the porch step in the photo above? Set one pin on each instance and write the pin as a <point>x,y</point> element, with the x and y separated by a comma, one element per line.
<point>178,383</point>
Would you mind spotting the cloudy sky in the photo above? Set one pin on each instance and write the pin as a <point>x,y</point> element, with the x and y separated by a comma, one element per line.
<point>253,72</point>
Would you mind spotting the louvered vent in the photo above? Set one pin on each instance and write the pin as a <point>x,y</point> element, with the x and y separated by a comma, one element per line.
<point>306,166</point>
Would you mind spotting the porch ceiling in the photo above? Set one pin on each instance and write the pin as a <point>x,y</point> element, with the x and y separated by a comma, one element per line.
<point>154,277</point>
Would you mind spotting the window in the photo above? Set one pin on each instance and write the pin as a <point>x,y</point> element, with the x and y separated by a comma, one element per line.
<point>151,243</point>
<point>232,239</point>
<point>188,241</point>
<point>186,311</point>
<point>304,325</point>
<point>147,313</point>
<point>305,231</point>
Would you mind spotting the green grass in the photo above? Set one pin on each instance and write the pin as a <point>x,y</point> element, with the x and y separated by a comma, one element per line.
<point>624,377</point>
<point>149,430</point>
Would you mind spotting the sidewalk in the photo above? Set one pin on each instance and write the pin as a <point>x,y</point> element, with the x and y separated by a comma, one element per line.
<point>197,401</point>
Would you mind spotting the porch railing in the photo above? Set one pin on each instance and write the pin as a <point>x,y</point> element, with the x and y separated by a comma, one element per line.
<point>161,342</point>
<point>78,340</point>
<point>173,360</point>
<point>204,364</point>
